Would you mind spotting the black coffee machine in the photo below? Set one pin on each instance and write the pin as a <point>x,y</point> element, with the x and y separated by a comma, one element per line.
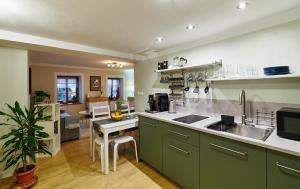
<point>151,104</point>
<point>162,102</point>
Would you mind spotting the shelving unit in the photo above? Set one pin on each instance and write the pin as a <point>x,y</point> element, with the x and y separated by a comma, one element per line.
<point>176,85</point>
<point>255,77</point>
<point>191,67</point>
<point>52,127</point>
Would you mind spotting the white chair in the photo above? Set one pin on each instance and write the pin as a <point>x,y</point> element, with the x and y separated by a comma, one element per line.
<point>122,140</point>
<point>98,143</point>
<point>125,108</point>
<point>131,104</point>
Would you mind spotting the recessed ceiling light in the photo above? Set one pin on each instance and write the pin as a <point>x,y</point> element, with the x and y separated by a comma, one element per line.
<point>190,27</point>
<point>242,5</point>
<point>159,39</point>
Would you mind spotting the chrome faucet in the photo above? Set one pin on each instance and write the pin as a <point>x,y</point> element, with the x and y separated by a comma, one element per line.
<point>243,103</point>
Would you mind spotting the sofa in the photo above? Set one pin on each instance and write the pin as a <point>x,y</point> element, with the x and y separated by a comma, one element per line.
<point>69,127</point>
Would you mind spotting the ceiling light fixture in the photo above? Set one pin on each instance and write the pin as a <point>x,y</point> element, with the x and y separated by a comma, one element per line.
<point>114,65</point>
<point>159,39</point>
<point>190,27</point>
<point>242,5</point>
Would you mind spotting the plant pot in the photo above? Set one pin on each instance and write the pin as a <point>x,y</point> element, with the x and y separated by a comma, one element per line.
<point>25,178</point>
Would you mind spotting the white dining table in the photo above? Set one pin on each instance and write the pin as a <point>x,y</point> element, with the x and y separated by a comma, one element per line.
<point>106,127</point>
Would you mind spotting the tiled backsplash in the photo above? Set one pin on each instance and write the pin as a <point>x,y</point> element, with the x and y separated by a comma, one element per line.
<point>230,107</point>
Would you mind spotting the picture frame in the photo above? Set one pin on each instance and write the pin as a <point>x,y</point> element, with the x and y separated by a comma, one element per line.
<point>95,83</point>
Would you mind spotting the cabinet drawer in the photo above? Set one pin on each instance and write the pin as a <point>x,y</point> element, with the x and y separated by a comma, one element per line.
<point>183,134</point>
<point>181,163</point>
<point>283,171</point>
<point>226,163</point>
<point>147,120</point>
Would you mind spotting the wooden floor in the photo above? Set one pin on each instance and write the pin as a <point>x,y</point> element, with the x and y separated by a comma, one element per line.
<point>73,168</point>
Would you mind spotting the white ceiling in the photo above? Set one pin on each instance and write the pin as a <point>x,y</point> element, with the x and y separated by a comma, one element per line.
<point>132,25</point>
<point>77,60</point>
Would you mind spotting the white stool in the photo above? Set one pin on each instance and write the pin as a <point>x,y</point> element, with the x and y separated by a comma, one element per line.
<point>122,140</point>
<point>100,143</point>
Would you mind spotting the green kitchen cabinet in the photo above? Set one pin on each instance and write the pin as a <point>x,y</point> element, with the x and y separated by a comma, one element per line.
<point>151,139</point>
<point>183,134</point>
<point>229,164</point>
<point>181,163</point>
<point>283,171</point>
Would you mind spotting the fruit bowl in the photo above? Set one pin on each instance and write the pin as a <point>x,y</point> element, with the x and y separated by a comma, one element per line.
<point>116,116</point>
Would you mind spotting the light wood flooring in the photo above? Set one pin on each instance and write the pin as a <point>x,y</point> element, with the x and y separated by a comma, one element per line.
<point>73,168</point>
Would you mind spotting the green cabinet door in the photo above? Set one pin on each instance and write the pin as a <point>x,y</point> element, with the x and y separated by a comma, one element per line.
<point>283,171</point>
<point>228,164</point>
<point>151,144</point>
<point>181,163</point>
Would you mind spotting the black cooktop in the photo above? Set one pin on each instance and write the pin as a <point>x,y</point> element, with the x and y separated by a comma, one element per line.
<point>190,119</point>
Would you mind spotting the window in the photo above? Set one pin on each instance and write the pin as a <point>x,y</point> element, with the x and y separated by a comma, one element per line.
<point>114,88</point>
<point>67,89</point>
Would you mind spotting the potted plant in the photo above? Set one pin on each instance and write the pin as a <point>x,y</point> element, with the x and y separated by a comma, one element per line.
<point>40,96</point>
<point>118,105</point>
<point>23,141</point>
<point>117,115</point>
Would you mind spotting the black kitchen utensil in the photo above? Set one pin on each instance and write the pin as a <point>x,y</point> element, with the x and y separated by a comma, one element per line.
<point>187,87</point>
<point>196,90</point>
<point>206,89</point>
<point>227,120</point>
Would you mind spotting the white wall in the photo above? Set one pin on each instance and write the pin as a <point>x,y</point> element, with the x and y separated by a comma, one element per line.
<point>13,84</point>
<point>275,46</point>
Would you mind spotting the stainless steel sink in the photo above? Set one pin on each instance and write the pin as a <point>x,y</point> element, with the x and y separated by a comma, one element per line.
<point>259,133</point>
<point>255,132</point>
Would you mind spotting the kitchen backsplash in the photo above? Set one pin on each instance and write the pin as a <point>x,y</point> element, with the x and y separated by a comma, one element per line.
<point>216,107</point>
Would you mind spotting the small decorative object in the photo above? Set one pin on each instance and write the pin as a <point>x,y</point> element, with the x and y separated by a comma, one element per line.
<point>176,61</point>
<point>24,122</point>
<point>165,64</point>
<point>95,83</point>
<point>159,66</point>
<point>277,70</point>
<point>182,61</point>
<point>162,65</point>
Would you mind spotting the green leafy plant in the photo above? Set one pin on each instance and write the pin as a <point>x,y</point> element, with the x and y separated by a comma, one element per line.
<point>119,105</point>
<point>40,96</point>
<point>75,99</point>
<point>24,139</point>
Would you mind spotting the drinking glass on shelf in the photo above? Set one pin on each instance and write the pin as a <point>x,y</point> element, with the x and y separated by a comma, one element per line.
<point>240,70</point>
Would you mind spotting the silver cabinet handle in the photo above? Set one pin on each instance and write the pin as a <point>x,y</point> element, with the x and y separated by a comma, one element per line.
<point>179,134</point>
<point>149,124</point>
<point>217,147</point>
<point>295,171</point>
<point>178,149</point>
